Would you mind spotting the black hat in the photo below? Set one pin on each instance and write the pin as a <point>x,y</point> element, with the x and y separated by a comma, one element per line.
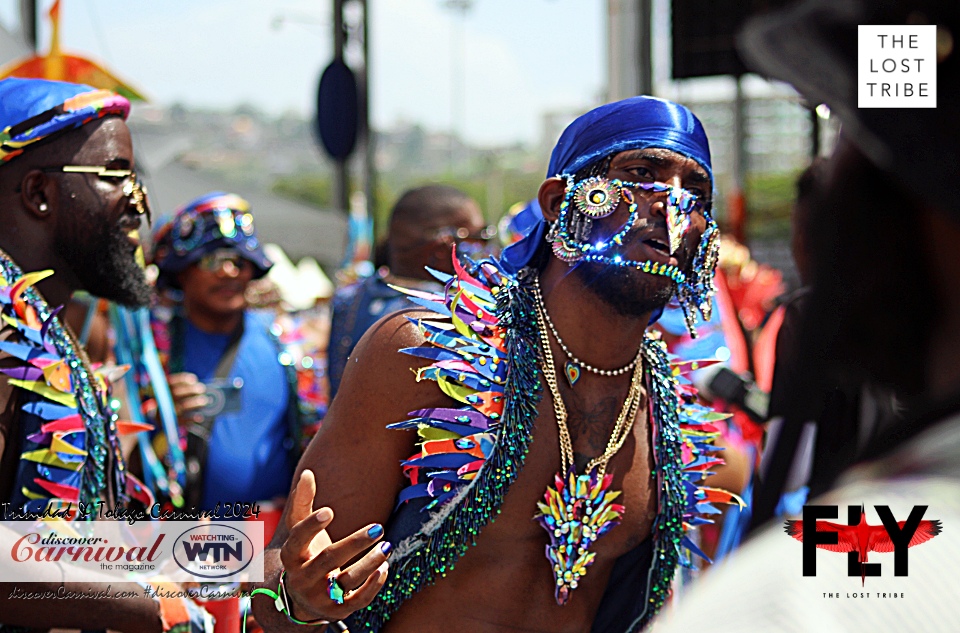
<point>813,45</point>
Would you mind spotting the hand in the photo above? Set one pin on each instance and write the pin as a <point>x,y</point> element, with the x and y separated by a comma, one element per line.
<point>189,396</point>
<point>310,557</point>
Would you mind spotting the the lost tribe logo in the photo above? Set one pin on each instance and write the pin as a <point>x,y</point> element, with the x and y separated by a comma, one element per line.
<point>859,538</point>
<point>213,551</point>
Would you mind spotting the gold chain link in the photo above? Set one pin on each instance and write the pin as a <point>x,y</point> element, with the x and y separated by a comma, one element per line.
<point>625,420</point>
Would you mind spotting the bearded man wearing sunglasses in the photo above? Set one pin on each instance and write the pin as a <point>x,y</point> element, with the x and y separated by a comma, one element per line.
<point>520,442</point>
<point>233,382</point>
<point>70,210</point>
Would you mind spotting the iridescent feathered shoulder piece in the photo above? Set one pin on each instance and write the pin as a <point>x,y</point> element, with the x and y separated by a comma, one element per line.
<point>482,329</point>
<point>65,459</point>
<point>467,345</point>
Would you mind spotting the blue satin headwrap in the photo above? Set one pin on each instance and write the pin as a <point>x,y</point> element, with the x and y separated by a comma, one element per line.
<point>634,123</point>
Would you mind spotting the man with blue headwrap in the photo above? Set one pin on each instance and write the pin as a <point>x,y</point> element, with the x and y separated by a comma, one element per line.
<point>208,253</point>
<point>559,426</point>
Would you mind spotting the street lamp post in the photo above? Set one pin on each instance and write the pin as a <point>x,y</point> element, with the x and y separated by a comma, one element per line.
<point>457,65</point>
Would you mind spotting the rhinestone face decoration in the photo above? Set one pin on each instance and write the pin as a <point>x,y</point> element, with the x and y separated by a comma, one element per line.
<point>596,197</point>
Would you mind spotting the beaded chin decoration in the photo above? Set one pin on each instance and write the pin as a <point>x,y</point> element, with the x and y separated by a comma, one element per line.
<point>596,197</point>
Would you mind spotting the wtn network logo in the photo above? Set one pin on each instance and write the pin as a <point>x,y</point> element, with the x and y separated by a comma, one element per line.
<point>231,550</point>
<point>859,538</point>
<point>213,551</point>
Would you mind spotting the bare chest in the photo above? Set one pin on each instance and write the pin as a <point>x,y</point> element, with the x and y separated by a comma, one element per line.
<point>590,422</point>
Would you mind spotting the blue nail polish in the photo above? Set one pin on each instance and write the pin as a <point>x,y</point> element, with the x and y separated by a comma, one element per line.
<point>385,548</point>
<point>376,531</point>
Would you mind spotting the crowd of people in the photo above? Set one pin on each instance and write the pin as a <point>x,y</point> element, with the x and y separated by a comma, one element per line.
<point>475,439</point>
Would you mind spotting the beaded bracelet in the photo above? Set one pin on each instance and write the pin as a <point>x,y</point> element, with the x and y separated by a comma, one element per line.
<point>281,602</point>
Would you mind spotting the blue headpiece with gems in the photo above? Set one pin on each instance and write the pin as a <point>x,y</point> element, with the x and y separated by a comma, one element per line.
<point>211,222</point>
<point>634,123</point>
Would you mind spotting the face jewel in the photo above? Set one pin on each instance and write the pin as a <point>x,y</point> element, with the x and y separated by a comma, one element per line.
<point>596,197</point>
<point>678,220</point>
<point>566,253</point>
<point>572,372</point>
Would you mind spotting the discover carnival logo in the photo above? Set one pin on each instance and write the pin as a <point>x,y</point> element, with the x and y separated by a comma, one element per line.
<point>52,547</point>
<point>105,551</point>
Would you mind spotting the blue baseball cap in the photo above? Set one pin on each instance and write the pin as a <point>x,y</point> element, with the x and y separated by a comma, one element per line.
<point>211,222</point>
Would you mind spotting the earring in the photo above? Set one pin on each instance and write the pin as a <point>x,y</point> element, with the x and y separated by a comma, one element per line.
<point>42,207</point>
<point>696,294</point>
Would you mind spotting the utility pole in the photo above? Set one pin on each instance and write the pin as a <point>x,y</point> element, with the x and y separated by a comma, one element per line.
<point>629,50</point>
<point>341,174</point>
<point>736,200</point>
<point>367,137</point>
<point>28,22</point>
<point>457,66</point>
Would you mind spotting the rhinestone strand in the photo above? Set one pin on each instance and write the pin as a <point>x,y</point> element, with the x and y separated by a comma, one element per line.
<point>653,268</point>
<point>566,350</point>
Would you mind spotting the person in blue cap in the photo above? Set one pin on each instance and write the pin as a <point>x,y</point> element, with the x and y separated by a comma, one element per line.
<point>70,209</point>
<point>535,458</point>
<point>216,349</point>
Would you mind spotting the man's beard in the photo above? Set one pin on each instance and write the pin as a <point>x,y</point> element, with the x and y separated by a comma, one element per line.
<point>104,265</point>
<point>630,292</point>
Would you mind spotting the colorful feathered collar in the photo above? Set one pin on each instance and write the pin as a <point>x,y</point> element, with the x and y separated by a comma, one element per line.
<point>74,456</point>
<point>484,345</point>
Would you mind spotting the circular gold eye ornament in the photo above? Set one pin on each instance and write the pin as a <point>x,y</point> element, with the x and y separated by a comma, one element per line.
<point>596,197</point>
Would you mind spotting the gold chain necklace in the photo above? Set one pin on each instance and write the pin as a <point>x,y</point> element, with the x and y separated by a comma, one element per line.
<point>579,509</point>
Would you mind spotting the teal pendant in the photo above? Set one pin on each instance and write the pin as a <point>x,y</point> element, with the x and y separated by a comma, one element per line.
<point>572,372</point>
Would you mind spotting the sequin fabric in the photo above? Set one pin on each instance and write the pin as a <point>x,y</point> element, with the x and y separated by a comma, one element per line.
<point>73,454</point>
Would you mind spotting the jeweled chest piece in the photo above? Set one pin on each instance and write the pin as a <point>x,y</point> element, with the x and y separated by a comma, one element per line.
<point>575,512</point>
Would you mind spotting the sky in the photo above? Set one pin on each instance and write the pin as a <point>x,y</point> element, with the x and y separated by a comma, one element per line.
<point>514,59</point>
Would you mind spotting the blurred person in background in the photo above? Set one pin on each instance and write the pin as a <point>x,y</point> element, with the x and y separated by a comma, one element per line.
<point>425,224</point>
<point>70,209</point>
<point>881,309</point>
<point>233,382</point>
<point>840,419</point>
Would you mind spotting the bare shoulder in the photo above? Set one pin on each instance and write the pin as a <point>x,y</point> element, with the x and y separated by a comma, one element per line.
<point>379,366</point>
<point>355,457</point>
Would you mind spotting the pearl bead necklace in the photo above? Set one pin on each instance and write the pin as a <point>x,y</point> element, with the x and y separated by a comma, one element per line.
<point>573,359</point>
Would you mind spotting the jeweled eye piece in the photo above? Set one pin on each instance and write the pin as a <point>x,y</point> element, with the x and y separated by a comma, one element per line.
<point>596,197</point>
